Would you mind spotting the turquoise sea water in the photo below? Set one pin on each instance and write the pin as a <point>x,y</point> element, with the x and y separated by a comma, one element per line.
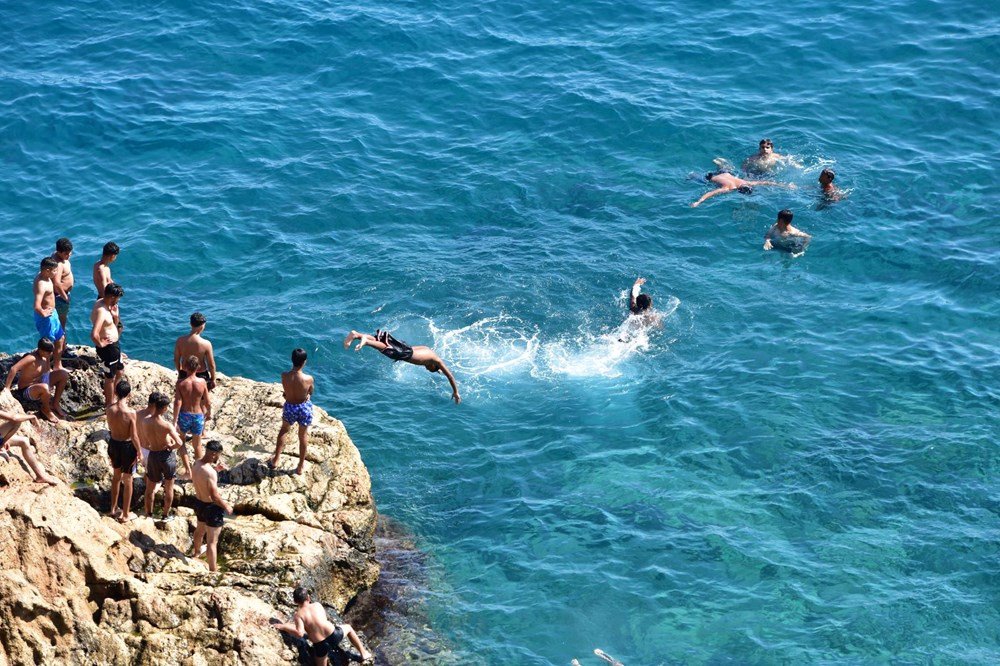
<point>801,467</point>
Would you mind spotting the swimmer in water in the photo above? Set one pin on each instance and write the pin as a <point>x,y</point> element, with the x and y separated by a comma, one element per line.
<point>765,159</point>
<point>642,314</point>
<point>725,181</point>
<point>830,191</point>
<point>400,351</point>
<point>782,231</point>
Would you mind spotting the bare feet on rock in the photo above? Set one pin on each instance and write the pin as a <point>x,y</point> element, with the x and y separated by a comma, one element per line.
<point>51,480</point>
<point>299,470</point>
<point>127,518</point>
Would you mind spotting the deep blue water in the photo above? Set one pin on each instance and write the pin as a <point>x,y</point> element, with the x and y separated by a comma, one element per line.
<point>801,467</point>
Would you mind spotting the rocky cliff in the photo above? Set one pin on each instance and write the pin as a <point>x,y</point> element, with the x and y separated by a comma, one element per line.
<point>77,587</point>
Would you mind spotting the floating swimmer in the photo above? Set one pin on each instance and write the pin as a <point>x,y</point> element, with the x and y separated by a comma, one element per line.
<point>400,351</point>
<point>726,181</point>
<point>783,236</point>
<point>830,191</point>
<point>765,159</point>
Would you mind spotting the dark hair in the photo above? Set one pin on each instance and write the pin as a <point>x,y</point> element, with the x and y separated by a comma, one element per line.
<point>298,357</point>
<point>785,215</point>
<point>113,289</point>
<point>300,594</point>
<point>766,142</point>
<point>828,172</point>
<point>197,319</point>
<point>191,363</point>
<point>111,249</point>
<point>45,344</point>
<point>49,262</point>
<point>643,302</point>
<point>215,446</point>
<point>64,245</point>
<point>158,400</point>
<point>122,388</point>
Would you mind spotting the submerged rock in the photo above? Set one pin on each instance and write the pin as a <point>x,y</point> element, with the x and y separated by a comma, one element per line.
<point>80,588</point>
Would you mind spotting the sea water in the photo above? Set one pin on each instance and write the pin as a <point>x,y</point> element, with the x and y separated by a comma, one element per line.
<point>799,467</point>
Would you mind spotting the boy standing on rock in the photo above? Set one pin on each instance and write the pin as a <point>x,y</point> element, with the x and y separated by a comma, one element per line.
<point>105,334</point>
<point>298,388</point>
<point>310,621</point>
<point>123,450</point>
<point>192,406</point>
<point>193,344</point>
<point>62,281</point>
<point>46,317</point>
<point>158,435</point>
<point>102,269</point>
<point>209,507</point>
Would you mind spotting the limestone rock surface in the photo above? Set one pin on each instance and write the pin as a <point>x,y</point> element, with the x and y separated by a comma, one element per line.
<point>77,587</point>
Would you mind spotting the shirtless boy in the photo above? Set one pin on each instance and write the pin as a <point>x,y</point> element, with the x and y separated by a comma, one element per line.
<point>46,317</point>
<point>36,379</point>
<point>725,181</point>
<point>102,269</point>
<point>62,281</point>
<point>383,342</point>
<point>782,231</point>
<point>830,191</point>
<point>105,334</point>
<point>310,621</point>
<point>297,387</point>
<point>641,305</point>
<point>193,344</point>
<point>9,424</point>
<point>209,507</point>
<point>158,435</point>
<point>123,450</point>
<point>192,406</point>
<point>765,159</point>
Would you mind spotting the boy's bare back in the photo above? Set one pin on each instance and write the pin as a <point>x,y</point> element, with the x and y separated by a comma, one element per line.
<point>297,386</point>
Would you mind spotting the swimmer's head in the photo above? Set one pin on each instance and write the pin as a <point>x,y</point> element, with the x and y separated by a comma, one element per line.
<point>298,357</point>
<point>113,290</point>
<point>49,264</point>
<point>826,176</point>
<point>64,246</point>
<point>785,216</point>
<point>122,389</point>
<point>744,189</point>
<point>158,401</point>
<point>197,319</point>
<point>300,595</point>
<point>46,345</point>
<point>111,249</point>
<point>191,364</point>
<point>643,302</point>
<point>766,146</point>
<point>213,450</point>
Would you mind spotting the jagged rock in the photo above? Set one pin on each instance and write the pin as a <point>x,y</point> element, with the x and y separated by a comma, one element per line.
<point>80,588</point>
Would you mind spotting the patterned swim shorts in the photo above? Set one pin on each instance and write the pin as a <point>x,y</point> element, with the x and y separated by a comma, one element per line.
<point>301,413</point>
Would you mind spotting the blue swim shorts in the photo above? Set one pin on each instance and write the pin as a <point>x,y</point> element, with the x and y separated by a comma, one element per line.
<point>49,327</point>
<point>301,413</point>
<point>192,423</point>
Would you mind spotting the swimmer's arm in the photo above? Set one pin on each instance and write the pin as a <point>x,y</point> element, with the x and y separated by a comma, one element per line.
<point>177,438</point>
<point>719,190</point>
<point>177,406</point>
<point>136,437</point>
<point>210,362</point>
<point>213,490</point>
<point>206,402</point>
<point>17,418</point>
<point>39,294</point>
<point>296,628</point>
<point>634,294</point>
<point>177,356</point>
<point>16,368</point>
<point>95,332</point>
<point>451,380</point>
<point>787,186</point>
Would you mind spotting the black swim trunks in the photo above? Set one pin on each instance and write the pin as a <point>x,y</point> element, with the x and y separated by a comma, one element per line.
<point>111,358</point>
<point>712,174</point>
<point>204,374</point>
<point>123,455</point>
<point>396,350</point>
<point>329,644</point>
<point>209,513</point>
<point>161,466</point>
